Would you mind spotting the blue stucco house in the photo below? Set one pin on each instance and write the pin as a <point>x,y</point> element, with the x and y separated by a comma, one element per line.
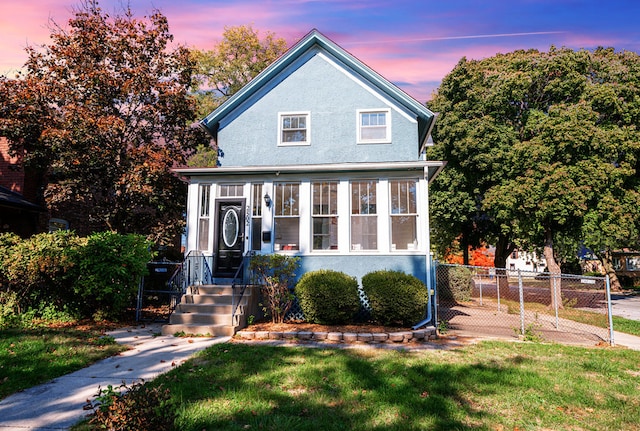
<point>323,158</point>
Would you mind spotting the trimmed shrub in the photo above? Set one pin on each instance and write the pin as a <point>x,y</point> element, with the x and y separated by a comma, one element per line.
<point>456,284</point>
<point>395,298</point>
<point>328,297</point>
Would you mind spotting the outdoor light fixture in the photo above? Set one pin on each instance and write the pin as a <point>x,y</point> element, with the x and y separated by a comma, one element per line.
<point>267,200</point>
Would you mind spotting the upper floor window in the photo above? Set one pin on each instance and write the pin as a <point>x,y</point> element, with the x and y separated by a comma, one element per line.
<point>294,129</point>
<point>374,126</point>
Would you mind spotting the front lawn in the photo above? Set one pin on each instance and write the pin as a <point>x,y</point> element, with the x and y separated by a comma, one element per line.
<point>29,357</point>
<point>488,386</point>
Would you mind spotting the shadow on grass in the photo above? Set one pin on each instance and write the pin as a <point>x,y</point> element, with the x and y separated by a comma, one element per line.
<point>235,387</point>
<point>32,356</point>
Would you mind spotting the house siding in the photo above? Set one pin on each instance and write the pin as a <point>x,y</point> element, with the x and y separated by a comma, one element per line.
<point>332,97</point>
<point>358,266</point>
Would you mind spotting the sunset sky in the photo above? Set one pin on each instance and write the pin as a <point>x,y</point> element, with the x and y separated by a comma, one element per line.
<point>413,43</point>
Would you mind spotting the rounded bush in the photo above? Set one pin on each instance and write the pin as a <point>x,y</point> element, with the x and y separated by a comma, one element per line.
<point>395,298</point>
<point>328,297</point>
<point>455,283</point>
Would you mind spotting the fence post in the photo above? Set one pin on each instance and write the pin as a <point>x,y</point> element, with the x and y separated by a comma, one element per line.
<point>436,296</point>
<point>139,299</point>
<point>480,289</point>
<point>554,299</point>
<point>521,292</point>
<point>498,287</point>
<point>609,310</point>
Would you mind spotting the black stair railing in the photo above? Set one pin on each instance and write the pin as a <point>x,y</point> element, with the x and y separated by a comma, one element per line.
<point>193,271</point>
<point>238,288</point>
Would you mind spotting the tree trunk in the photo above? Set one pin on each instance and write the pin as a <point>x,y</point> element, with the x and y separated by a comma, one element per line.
<point>554,270</point>
<point>503,249</point>
<point>607,264</point>
<point>464,243</point>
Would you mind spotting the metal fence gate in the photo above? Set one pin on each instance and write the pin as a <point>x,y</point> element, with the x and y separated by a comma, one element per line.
<point>157,297</point>
<point>481,301</point>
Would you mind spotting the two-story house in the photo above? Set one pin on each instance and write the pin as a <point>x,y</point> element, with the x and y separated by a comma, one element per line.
<point>322,158</point>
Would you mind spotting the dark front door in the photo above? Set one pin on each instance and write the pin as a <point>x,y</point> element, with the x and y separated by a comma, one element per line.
<point>229,237</point>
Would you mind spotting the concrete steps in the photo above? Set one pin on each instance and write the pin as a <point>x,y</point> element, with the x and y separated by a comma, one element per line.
<point>208,309</point>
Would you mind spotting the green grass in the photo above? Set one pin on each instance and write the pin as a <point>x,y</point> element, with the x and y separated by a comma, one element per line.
<point>489,386</point>
<point>29,357</point>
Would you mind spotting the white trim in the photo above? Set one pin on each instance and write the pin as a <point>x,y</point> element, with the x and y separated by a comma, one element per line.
<point>386,139</point>
<point>368,88</point>
<point>307,141</point>
<point>312,168</point>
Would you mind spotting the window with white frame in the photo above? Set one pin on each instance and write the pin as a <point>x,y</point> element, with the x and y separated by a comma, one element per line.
<point>256,216</point>
<point>287,216</point>
<point>633,263</point>
<point>294,129</point>
<point>404,214</point>
<point>325,215</point>
<point>227,190</point>
<point>364,219</point>
<point>203,216</point>
<point>374,126</point>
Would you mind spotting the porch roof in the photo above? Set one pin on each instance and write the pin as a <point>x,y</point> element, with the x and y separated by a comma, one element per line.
<point>430,169</point>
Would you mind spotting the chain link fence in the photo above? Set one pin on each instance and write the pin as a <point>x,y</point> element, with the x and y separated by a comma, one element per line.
<point>502,303</point>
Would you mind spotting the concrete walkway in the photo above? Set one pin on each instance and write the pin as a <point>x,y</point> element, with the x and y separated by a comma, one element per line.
<point>57,405</point>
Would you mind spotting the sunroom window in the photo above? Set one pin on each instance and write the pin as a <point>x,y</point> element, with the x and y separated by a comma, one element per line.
<point>364,219</point>
<point>227,190</point>
<point>404,215</point>
<point>256,216</point>
<point>203,217</point>
<point>287,216</point>
<point>325,215</point>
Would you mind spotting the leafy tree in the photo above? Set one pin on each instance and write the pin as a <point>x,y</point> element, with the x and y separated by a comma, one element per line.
<point>225,69</point>
<point>558,131</point>
<point>232,63</point>
<point>104,113</point>
<point>476,147</point>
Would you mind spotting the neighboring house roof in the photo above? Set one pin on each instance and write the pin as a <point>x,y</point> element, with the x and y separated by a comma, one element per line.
<point>311,41</point>
<point>15,200</point>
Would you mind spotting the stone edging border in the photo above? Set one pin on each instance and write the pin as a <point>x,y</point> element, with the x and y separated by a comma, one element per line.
<point>341,337</point>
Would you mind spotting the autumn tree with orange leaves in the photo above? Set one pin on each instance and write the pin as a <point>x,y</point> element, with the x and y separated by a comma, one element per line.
<point>104,112</point>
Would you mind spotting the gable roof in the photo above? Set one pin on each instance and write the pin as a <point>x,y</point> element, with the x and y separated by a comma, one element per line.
<point>314,39</point>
